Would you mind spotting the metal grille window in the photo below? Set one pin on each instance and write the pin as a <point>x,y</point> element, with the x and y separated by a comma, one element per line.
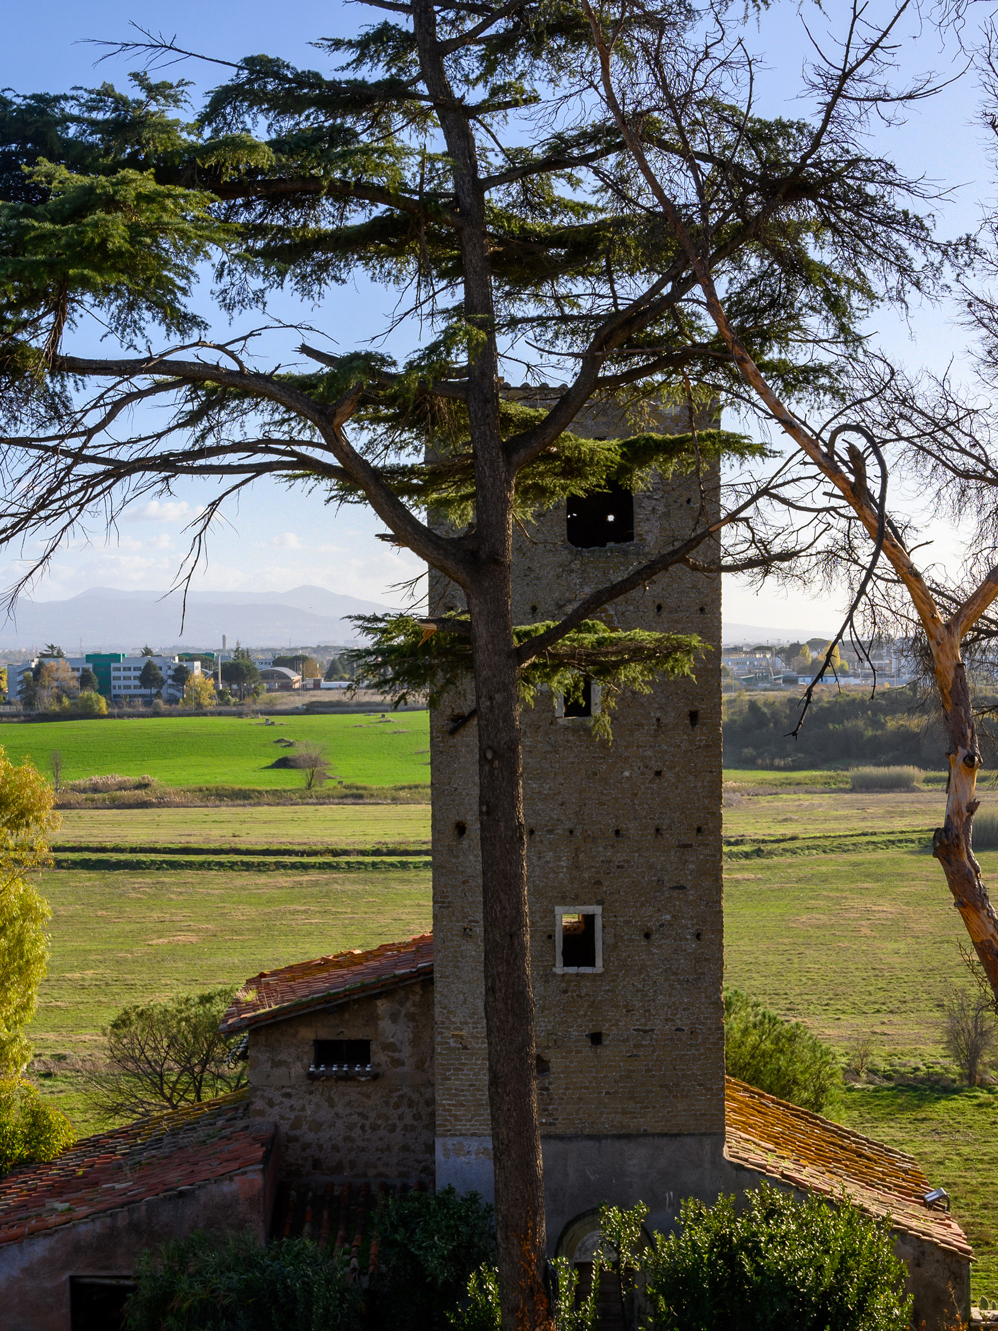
<point>345,1059</point>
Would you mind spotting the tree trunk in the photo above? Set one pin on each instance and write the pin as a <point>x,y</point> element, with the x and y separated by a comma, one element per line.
<point>509,1001</point>
<point>952,843</point>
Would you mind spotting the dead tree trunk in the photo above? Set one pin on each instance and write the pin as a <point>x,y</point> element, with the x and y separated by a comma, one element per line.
<point>952,843</point>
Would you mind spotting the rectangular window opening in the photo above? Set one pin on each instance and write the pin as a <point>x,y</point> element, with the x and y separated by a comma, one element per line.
<point>578,938</point>
<point>600,519</point>
<point>346,1054</point>
<point>581,704</point>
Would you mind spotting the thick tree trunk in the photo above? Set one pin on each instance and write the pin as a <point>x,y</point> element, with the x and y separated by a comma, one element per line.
<point>509,1002</point>
<point>952,843</point>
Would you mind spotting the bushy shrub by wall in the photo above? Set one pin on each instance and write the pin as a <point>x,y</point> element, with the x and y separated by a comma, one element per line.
<point>776,1264</point>
<point>429,1244</point>
<point>780,1057</point>
<point>207,1283</point>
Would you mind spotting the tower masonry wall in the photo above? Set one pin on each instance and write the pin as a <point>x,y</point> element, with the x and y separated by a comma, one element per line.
<point>631,827</point>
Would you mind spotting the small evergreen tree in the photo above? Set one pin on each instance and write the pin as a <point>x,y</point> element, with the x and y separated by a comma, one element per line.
<point>780,1057</point>
<point>151,678</point>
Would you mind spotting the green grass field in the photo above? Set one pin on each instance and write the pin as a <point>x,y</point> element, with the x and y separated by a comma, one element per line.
<point>859,944</point>
<point>371,749</point>
<point>307,826</point>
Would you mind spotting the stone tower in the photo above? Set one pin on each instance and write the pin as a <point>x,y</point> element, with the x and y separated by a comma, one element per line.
<point>624,868</point>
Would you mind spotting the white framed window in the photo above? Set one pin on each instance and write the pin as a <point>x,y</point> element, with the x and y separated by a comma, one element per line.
<point>580,709</point>
<point>578,940</point>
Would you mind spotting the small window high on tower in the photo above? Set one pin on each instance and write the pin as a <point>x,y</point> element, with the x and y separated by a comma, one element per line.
<point>578,938</point>
<point>581,704</point>
<point>603,518</point>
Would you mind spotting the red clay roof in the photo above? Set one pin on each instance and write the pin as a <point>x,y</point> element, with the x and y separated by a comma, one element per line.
<point>343,1218</point>
<point>809,1152</point>
<point>180,1149</point>
<point>273,995</point>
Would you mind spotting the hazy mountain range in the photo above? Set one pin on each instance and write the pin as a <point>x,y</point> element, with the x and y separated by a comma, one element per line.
<point>738,635</point>
<point>106,619</point>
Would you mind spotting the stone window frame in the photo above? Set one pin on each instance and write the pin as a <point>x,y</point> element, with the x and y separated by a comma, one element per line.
<point>559,913</point>
<point>596,697</point>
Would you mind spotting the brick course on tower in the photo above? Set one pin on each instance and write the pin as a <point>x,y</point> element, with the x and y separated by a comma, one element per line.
<point>630,1054</point>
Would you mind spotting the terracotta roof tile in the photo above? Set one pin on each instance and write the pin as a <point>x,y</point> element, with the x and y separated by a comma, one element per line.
<point>341,1217</point>
<point>808,1151</point>
<point>272,995</point>
<point>180,1149</point>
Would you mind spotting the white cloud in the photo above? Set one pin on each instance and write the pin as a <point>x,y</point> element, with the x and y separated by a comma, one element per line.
<point>287,540</point>
<point>168,510</point>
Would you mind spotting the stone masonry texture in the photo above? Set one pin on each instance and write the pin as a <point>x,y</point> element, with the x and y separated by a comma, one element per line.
<point>378,1130</point>
<point>632,826</point>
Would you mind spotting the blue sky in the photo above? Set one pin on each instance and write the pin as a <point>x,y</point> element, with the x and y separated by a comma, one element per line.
<point>274,538</point>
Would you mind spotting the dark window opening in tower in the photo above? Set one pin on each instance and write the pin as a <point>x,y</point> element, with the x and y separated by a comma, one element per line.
<point>342,1054</point>
<point>578,941</point>
<point>581,704</point>
<point>603,518</point>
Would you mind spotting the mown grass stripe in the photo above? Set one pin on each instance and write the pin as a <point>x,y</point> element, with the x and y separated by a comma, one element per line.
<point>244,863</point>
<point>770,847</point>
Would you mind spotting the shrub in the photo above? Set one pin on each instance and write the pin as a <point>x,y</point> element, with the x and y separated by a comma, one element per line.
<point>780,1057</point>
<point>98,785</point>
<point>30,1131</point>
<point>885,778</point>
<point>208,1283</point>
<point>971,1034</point>
<point>429,1245</point>
<point>89,703</point>
<point>986,830</point>
<point>780,1263</point>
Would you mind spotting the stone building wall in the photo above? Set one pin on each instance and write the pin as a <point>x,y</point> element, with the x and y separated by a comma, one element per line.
<point>380,1129</point>
<point>632,827</point>
<point>36,1273</point>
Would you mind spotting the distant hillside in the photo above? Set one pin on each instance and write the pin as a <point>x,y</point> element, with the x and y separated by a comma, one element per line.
<point>105,618</point>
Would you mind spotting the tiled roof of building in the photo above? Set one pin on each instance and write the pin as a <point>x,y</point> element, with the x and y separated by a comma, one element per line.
<point>809,1152</point>
<point>341,1217</point>
<point>273,995</point>
<point>154,1156</point>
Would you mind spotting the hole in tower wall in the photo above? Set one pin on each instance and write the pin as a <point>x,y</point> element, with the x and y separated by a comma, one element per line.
<point>543,1066</point>
<point>694,718</point>
<point>581,705</point>
<point>595,1038</point>
<point>460,828</point>
<point>600,519</point>
<point>578,941</point>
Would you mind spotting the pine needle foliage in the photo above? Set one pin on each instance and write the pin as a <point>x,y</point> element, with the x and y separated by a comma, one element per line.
<point>409,659</point>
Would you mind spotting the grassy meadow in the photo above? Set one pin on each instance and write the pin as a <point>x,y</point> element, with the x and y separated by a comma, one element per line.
<point>188,751</point>
<point>835,914</point>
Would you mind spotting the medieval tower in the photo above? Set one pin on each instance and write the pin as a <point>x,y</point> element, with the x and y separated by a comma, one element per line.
<point>624,867</point>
